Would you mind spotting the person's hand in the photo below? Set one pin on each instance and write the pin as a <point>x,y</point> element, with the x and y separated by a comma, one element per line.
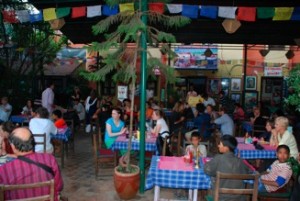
<point>124,130</point>
<point>94,116</point>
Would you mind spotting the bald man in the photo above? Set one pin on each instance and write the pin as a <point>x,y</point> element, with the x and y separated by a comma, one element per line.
<point>22,171</point>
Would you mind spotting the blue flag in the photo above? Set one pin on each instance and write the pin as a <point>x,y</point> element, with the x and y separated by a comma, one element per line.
<point>190,11</point>
<point>209,11</point>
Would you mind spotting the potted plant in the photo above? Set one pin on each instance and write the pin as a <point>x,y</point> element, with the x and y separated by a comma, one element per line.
<point>122,62</point>
<point>294,83</point>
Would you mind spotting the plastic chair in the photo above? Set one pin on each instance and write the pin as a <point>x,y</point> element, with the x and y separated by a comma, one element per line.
<point>11,188</point>
<point>242,191</point>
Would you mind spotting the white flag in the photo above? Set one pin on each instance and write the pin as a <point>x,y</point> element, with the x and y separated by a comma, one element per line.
<point>227,12</point>
<point>23,15</point>
<point>93,11</point>
<point>175,8</point>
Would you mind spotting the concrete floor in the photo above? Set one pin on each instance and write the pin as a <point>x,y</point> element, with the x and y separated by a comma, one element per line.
<point>80,183</point>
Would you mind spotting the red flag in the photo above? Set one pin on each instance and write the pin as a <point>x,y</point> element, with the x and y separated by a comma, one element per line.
<point>157,7</point>
<point>246,14</point>
<point>9,16</point>
<point>78,12</point>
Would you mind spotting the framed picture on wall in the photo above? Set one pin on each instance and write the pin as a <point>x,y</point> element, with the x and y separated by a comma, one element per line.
<point>236,97</point>
<point>236,84</point>
<point>213,86</point>
<point>225,85</point>
<point>251,100</point>
<point>250,83</point>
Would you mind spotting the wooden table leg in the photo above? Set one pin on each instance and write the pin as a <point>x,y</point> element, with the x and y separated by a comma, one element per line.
<point>156,193</point>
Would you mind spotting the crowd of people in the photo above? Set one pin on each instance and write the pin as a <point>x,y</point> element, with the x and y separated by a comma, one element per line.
<point>201,121</point>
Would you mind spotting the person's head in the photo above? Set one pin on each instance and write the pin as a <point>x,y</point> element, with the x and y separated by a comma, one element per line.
<point>227,143</point>
<point>191,87</point>
<point>256,111</point>
<point>195,138</point>
<point>221,94</point>
<point>269,125</point>
<point>200,107</point>
<point>56,114</point>
<point>116,113</point>
<point>6,128</point>
<point>42,112</point>
<point>33,111</point>
<point>104,108</point>
<point>157,114</point>
<point>4,100</point>
<point>29,103</point>
<point>93,94</point>
<point>237,105</point>
<point>205,95</point>
<point>51,85</point>
<point>126,102</point>
<point>209,109</point>
<point>21,141</point>
<point>76,89</point>
<point>283,153</point>
<point>281,124</point>
<point>76,101</point>
<point>222,111</point>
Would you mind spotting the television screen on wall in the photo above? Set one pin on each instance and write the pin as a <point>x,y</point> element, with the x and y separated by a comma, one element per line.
<point>196,57</point>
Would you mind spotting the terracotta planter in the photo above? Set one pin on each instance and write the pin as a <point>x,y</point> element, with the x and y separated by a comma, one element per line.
<point>127,184</point>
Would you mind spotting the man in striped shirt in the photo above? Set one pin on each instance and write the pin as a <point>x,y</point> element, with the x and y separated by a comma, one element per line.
<point>19,171</point>
<point>279,172</point>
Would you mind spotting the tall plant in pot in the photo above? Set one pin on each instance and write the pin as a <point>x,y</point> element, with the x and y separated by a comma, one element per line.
<point>122,62</point>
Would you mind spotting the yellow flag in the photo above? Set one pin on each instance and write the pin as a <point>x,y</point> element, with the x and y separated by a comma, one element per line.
<point>49,14</point>
<point>283,13</point>
<point>126,7</point>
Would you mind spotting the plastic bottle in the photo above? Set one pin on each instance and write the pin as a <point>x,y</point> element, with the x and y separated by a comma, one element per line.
<point>191,156</point>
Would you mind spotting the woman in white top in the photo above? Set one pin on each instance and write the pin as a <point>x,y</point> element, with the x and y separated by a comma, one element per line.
<point>27,109</point>
<point>41,124</point>
<point>284,136</point>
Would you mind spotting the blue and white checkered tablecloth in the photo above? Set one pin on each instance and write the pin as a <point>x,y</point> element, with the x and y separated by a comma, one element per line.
<point>257,154</point>
<point>121,145</point>
<point>19,119</point>
<point>196,179</point>
<point>63,134</point>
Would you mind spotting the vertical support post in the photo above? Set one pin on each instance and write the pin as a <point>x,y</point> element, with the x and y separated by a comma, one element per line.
<point>143,82</point>
<point>244,73</point>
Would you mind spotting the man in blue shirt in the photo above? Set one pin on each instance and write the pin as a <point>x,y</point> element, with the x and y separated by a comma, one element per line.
<point>225,121</point>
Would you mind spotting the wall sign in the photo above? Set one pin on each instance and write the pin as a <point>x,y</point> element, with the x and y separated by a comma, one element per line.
<point>273,71</point>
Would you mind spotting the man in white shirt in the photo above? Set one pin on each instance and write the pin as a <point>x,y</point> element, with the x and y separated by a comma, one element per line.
<point>225,121</point>
<point>5,109</point>
<point>48,98</point>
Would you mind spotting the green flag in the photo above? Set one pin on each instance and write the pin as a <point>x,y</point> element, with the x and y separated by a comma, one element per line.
<point>265,12</point>
<point>63,12</point>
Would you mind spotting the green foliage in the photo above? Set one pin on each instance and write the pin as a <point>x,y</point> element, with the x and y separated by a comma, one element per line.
<point>294,164</point>
<point>294,83</point>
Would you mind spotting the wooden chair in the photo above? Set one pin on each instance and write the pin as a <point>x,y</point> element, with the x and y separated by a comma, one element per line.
<point>243,191</point>
<point>40,142</point>
<point>101,155</point>
<point>49,197</point>
<point>71,142</point>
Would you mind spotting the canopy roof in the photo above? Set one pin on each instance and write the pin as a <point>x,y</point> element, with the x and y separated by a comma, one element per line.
<point>202,30</point>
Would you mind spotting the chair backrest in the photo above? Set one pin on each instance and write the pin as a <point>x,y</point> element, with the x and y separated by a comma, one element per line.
<point>258,130</point>
<point>37,138</point>
<point>243,191</point>
<point>70,123</point>
<point>50,196</point>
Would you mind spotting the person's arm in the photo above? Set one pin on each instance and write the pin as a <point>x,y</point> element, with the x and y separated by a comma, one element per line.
<point>219,120</point>
<point>156,129</point>
<point>182,118</point>
<point>53,129</point>
<point>279,182</point>
<point>210,168</point>
<point>203,151</point>
<point>111,134</point>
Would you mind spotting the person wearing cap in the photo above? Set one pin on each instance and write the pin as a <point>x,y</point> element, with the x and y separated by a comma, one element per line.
<point>227,162</point>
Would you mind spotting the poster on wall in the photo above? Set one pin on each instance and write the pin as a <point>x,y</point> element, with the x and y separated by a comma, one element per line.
<point>273,71</point>
<point>196,57</point>
<point>122,92</point>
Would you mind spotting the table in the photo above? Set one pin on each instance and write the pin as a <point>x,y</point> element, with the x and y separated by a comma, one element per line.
<point>20,119</point>
<point>248,151</point>
<point>121,143</point>
<point>63,135</point>
<point>192,180</point>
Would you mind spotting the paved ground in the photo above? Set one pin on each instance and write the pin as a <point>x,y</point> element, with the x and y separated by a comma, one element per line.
<point>80,183</point>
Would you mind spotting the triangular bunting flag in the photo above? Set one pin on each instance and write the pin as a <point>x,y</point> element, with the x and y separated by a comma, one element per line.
<point>190,11</point>
<point>78,12</point>
<point>94,11</point>
<point>49,14</point>
<point>246,14</point>
<point>265,12</point>
<point>283,13</point>
<point>209,11</point>
<point>36,16</point>
<point>9,16</point>
<point>296,14</point>
<point>157,7</point>
<point>227,12</point>
<point>109,10</point>
<point>126,7</point>
<point>23,15</point>
<point>63,12</point>
<point>174,8</point>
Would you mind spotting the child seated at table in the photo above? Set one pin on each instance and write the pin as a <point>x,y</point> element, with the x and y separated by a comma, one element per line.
<point>279,173</point>
<point>59,122</point>
<point>196,139</point>
<point>227,162</point>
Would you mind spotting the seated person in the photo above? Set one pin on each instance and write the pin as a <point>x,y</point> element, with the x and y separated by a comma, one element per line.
<point>267,135</point>
<point>59,122</point>
<point>177,119</point>
<point>201,122</point>
<point>196,139</point>
<point>103,114</point>
<point>227,162</point>
<point>5,110</point>
<point>238,113</point>
<point>19,171</point>
<point>225,121</point>
<point>279,173</point>
<point>5,129</point>
<point>27,109</point>
<point>78,107</point>
<point>255,120</point>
